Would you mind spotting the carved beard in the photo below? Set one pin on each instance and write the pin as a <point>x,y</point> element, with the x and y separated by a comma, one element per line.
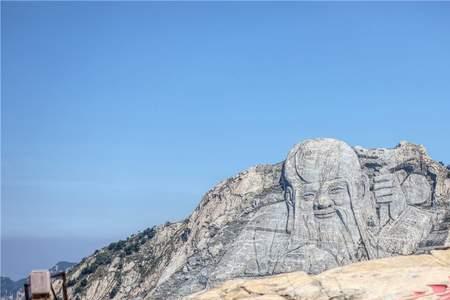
<point>337,235</point>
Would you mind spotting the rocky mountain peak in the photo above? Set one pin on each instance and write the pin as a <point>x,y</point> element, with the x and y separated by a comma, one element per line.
<point>327,205</point>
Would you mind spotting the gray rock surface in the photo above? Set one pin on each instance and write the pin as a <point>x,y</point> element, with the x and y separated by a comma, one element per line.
<point>326,205</point>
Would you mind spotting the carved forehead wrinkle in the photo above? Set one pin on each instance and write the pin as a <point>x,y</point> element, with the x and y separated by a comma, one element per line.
<point>321,160</point>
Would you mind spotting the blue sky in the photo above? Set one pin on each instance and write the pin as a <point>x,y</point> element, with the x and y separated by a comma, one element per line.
<point>118,116</point>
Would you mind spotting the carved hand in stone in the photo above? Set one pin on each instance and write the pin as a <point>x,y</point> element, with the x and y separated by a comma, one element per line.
<point>389,197</point>
<point>383,188</point>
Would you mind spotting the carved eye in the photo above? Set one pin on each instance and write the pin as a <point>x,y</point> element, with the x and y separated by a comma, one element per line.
<point>336,190</point>
<point>309,196</point>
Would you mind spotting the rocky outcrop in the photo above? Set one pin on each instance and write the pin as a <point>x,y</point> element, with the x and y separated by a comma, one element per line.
<point>150,263</point>
<point>327,205</point>
<point>402,277</point>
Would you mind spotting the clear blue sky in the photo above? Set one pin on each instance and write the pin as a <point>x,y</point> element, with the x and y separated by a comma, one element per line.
<point>119,116</point>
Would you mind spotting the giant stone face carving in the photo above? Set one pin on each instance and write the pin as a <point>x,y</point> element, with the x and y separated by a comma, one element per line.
<point>342,205</point>
<point>326,195</point>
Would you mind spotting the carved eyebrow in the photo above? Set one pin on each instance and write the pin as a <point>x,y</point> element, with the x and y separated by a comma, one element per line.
<point>336,188</point>
<point>337,184</point>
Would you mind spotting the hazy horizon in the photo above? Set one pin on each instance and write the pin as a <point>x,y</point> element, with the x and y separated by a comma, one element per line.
<point>120,116</point>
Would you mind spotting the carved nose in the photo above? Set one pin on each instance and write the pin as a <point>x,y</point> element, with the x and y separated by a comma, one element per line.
<point>323,202</point>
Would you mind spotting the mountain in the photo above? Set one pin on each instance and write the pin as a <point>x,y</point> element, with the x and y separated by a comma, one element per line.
<point>11,290</point>
<point>62,266</point>
<point>325,206</point>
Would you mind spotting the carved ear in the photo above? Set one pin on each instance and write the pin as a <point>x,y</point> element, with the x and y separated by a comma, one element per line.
<point>364,185</point>
<point>289,195</point>
<point>289,198</point>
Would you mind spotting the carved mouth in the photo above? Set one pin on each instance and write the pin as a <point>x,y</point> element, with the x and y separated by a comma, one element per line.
<point>324,213</point>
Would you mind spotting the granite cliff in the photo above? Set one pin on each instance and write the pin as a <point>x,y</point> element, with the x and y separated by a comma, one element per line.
<point>325,206</point>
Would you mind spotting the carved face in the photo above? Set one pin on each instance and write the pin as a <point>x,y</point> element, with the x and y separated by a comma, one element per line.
<point>324,191</point>
<point>325,198</point>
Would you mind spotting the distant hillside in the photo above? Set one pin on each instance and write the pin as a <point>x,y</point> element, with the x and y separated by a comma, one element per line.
<point>61,266</point>
<point>10,288</point>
